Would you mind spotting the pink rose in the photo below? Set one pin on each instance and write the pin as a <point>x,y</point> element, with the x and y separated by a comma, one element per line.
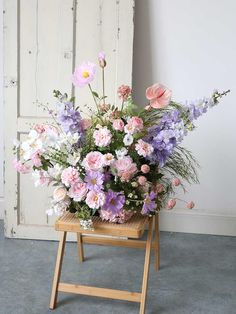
<point>102,137</point>
<point>142,180</point>
<point>145,168</point>
<point>78,191</point>
<point>136,123</point>
<point>158,95</point>
<point>93,161</point>
<point>59,194</point>
<point>176,181</point>
<point>143,148</point>
<point>95,199</point>
<point>190,205</point>
<point>118,125</point>
<point>125,168</point>
<point>70,176</point>
<point>171,203</point>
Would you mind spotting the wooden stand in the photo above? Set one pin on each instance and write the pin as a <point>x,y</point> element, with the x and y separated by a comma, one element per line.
<point>134,229</point>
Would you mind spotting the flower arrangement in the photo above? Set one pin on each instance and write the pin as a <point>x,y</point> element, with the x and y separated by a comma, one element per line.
<point>119,161</point>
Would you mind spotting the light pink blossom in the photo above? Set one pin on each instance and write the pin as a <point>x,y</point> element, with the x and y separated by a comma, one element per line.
<point>35,158</point>
<point>95,199</point>
<point>102,137</point>
<point>120,218</point>
<point>143,148</point>
<point>124,92</point>
<point>84,74</point>
<point>125,168</point>
<point>78,191</point>
<point>20,167</point>
<point>93,161</point>
<point>118,125</point>
<point>159,188</point>
<point>176,181</point>
<point>70,176</point>
<point>190,205</point>
<point>158,95</point>
<point>145,168</point>
<point>101,56</point>
<point>171,203</point>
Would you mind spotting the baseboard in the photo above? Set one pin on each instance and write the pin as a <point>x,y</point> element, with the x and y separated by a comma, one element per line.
<point>199,221</point>
<point>1,207</point>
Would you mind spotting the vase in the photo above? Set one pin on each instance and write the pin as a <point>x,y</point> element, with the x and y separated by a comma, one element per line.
<point>86,224</point>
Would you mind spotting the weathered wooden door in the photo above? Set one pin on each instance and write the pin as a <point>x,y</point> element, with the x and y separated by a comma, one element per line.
<point>44,39</point>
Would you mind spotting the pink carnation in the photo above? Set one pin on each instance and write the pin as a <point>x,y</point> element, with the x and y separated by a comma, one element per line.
<point>145,168</point>
<point>84,74</point>
<point>124,92</point>
<point>143,148</point>
<point>142,180</point>
<point>21,168</point>
<point>125,168</point>
<point>70,176</point>
<point>95,199</point>
<point>102,137</point>
<point>171,203</point>
<point>158,95</point>
<point>93,161</point>
<point>78,191</point>
<point>118,125</point>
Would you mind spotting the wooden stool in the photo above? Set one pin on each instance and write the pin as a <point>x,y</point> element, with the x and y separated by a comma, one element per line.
<point>134,228</point>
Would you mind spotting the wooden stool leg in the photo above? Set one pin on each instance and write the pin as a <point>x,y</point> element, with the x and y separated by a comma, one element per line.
<point>146,267</point>
<point>157,243</point>
<point>80,247</point>
<point>57,274</point>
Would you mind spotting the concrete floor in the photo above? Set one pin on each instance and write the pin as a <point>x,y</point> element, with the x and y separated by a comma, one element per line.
<point>197,276</point>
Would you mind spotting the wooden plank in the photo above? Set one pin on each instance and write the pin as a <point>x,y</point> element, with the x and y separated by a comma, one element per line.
<point>80,247</point>
<point>58,267</point>
<point>136,244</point>
<point>100,292</point>
<point>134,228</point>
<point>146,267</point>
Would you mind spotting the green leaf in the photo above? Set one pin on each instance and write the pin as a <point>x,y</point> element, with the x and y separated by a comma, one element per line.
<point>95,94</point>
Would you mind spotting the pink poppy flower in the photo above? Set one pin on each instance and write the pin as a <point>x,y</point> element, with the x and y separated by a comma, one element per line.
<point>158,95</point>
<point>84,74</point>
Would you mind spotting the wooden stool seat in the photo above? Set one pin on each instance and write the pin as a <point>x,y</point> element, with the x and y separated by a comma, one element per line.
<point>107,235</point>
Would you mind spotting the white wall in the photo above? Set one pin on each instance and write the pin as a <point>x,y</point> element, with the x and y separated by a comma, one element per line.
<point>190,47</point>
<point>1,114</point>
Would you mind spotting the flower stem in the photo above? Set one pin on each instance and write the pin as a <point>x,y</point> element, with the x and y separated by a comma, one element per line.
<point>103,85</point>
<point>94,98</point>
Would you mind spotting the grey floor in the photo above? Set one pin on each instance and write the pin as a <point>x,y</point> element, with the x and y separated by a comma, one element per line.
<point>197,276</point>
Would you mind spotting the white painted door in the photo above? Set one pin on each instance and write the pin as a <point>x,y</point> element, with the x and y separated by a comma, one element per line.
<point>44,39</point>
